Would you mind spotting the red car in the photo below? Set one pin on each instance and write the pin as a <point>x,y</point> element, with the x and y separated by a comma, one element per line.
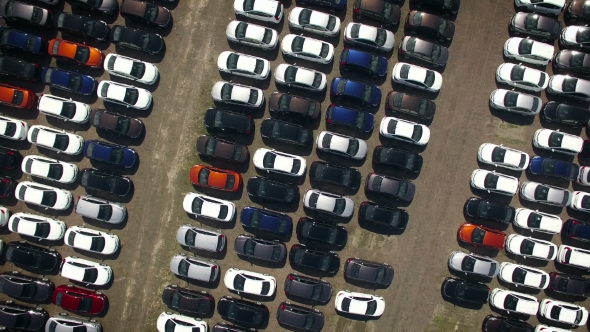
<point>80,300</point>
<point>481,236</point>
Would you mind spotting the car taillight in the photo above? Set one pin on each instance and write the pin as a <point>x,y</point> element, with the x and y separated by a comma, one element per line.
<point>342,63</point>
<point>290,277</point>
<point>349,260</point>
<point>247,132</point>
<point>356,10</point>
<point>283,307</point>
<point>24,124</point>
<point>249,116</point>
<point>364,204</point>
<point>214,267</point>
<point>5,180</point>
<point>328,120</point>
<point>10,152</point>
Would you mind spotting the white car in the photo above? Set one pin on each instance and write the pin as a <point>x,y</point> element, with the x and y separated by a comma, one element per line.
<point>314,21</point>
<point>169,322</point>
<point>569,87</point>
<point>100,209</point>
<point>252,35</point>
<point>580,201</point>
<point>39,227</point>
<point>528,50</point>
<point>574,257</point>
<point>522,77</point>
<point>263,10</point>
<point>473,264</point>
<point>417,77</point>
<point>584,176</point>
<point>404,130</point>
<point>546,328</point>
<point>242,281</point>
<point>209,207</point>
<point>86,271</point>
<point>557,141</point>
<point>64,109</point>
<point>545,194</point>
<point>501,156</point>
<point>307,49</point>
<point>553,7</point>
<point>576,36</point>
<point>200,238</point>
<point>342,145</point>
<point>529,247</point>
<point>124,94</point>
<point>563,312</point>
<point>56,140</point>
<point>237,94</point>
<point>536,221</point>
<point>514,302</point>
<point>300,77</point>
<point>279,162</point>
<point>43,195</point>
<point>359,303</point>
<point>130,68</point>
<point>369,36</point>
<point>13,129</point>
<point>4,215</point>
<point>92,240</point>
<point>337,205</point>
<point>243,65</point>
<point>514,101</point>
<point>50,169</point>
<point>494,182</point>
<point>521,275</point>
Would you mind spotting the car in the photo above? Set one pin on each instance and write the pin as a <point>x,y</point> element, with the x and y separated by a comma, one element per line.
<point>4,216</point>
<point>188,300</point>
<point>315,261</point>
<point>465,291</point>
<point>168,321</point>
<point>514,302</point>
<point>563,312</point>
<point>363,62</point>
<point>491,181</point>
<point>82,26</point>
<point>547,166</point>
<point>342,145</point>
<point>404,130</point>
<point>242,312</point>
<point>381,11</point>
<point>56,140</point>
<point>146,12</point>
<point>63,109</point>
<point>15,40</point>
<point>577,230</point>
<point>314,21</point>
<point>532,24</point>
<point>359,304</point>
<point>321,201</point>
<point>87,239</point>
<point>429,24</point>
<point>208,207</point>
<point>49,169</point>
<point>306,288</point>
<point>557,141</point>
<point>200,238</point>
<point>431,53</point>
<point>573,257</point>
<point>253,247</point>
<point>29,256</point>
<point>216,148</point>
<point>85,271</point>
<point>215,178</point>
<point>529,247</point>
<point>124,94</point>
<point>243,65</point>
<point>368,272</point>
<point>237,94</point>
<point>358,34</point>
<point>6,186</point>
<point>522,77</point>
<point>567,114</point>
<point>321,234</point>
<point>537,221</point>
<point>14,96</point>
<point>285,132</point>
<point>263,10</point>
<point>22,317</point>
<point>572,61</point>
<point>383,216</point>
<point>43,195</point>
<point>79,300</point>
<point>522,275</point>
<point>446,7</point>
<point>417,77</point>
<point>39,227</point>
<point>515,101</point>
<point>349,118</point>
<point>218,119</point>
<point>414,105</point>
<point>21,12</point>
<point>68,81</point>
<point>336,175</point>
<point>265,189</point>
<point>499,323</point>
<point>194,268</point>
<point>473,264</point>
<point>293,105</point>
<point>481,236</point>
<point>116,123</point>
<point>569,284</point>
<point>20,69</point>
<point>569,87</point>
<point>331,4</point>
<point>25,287</point>
<point>105,7</point>
<point>575,36</point>
<point>66,323</point>
<point>298,317</point>
<point>131,69</point>
<point>400,189</point>
<point>267,221</point>
<point>279,162</point>
<point>355,93</point>
<point>78,54</point>
<point>140,40</point>
<point>252,35</point>
<point>580,201</point>
<point>528,50</point>
<point>552,7</point>
<point>577,10</point>
<point>93,179</point>
<point>300,77</point>
<point>9,158</point>
<point>110,153</point>
<point>545,194</point>
<point>242,281</point>
<point>100,209</point>
<point>306,48</point>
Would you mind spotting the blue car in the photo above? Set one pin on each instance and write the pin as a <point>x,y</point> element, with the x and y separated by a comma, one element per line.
<point>21,41</point>
<point>354,92</point>
<point>266,221</point>
<point>346,117</point>
<point>110,153</point>
<point>363,62</point>
<point>552,167</point>
<point>68,80</point>
<point>334,4</point>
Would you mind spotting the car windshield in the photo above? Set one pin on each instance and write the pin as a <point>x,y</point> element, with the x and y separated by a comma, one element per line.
<point>17,97</point>
<point>527,247</point>
<point>137,69</point>
<point>42,229</point>
<point>175,300</point>
<point>49,198</point>
<point>28,291</point>
<point>442,25</point>
<point>68,110</point>
<point>367,93</point>
<point>417,134</point>
<point>381,37</point>
<point>204,176</point>
<point>262,189</point>
<point>353,147</point>
<point>380,275</point>
<point>97,244</point>
<point>22,321</point>
<point>255,220</point>
<point>525,46</point>
<point>31,43</point>
<point>468,264</point>
<point>346,304</point>
<point>116,156</point>
<point>55,171</point>
<point>90,275</point>
<point>297,45</point>
<point>403,188</point>
<point>190,235</point>
<point>82,54</point>
<point>290,74</point>
<point>541,193</point>
<point>311,108</point>
<point>371,307</point>
<point>569,84</point>
<point>339,206</point>
<point>555,139</point>
<point>61,142</point>
<point>317,80</point>
<point>510,99</point>
<point>374,64</point>
<point>404,71</point>
<point>239,282</point>
<point>105,212</point>
<point>548,166</point>
<point>183,268</point>
<point>354,31</point>
<point>304,16</point>
<point>123,124</point>
<point>253,96</point>
<point>151,12</point>
<point>436,51</point>
<point>410,160</point>
<point>517,73</point>
<point>276,253</point>
<point>75,82</point>
<point>577,59</point>
<point>491,181</point>
<point>10,129</point>
<point>145,40</point>
<point>267,36</point>
<point>531,22</point>
<point>249,247</point>
<point>85,304</point>
<point>510,302</point>
<point>478,235</point>
<point>131,96</point>
<point>37,15</point>
<point>518,275</point>
<point>534,220</point>
<point>360,120</point>
<point>88,26</point>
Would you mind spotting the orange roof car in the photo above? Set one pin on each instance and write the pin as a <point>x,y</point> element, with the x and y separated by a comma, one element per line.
<point>211,177</point>
<point>481,236</point>
<point>16,97</point>
<point>74,52</point>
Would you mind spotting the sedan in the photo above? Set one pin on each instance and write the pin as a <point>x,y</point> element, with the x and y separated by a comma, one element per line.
<point>78,54</point>
<point>105,7</point>
<point>285,132</point>
<point>68,81</point>
<point>116,123</point>
<point>550,167</point>
<point>349,118</point>
<point>321,234</point>
<point>378,274</point>
<point>420,107</point>
<point>401,189</point>
<point>417,77</point>
<point>522,275</point>
<point>381,11</point>
<point>363,62</point>
<point>265,189</point>
<point>249,246</point>
<point>569,87</point>
<point>20,69</point>
<point>572,61</point>
<point>422,50</point>
<point>243,65</point>
<point>79,300</point>
<point>21,41</point>
<point>24,287</point>
<point>49,169</point>
<point>580,201</point>
<point>298,317</point>
<point>353,92</point>
<point>194,268</point>
<point>208,207</point>
<point>252,35</point>
<point>306,48</point>
<point>529,247</point>
<point>522,77</point>
<point>314,21</point>
<point>242,312</point>
<point>237,94</point>
<point>563,312</point>
<point>43,195</point>
<point>56,140</point>
<point>383,216</point>
<point>29,256</point>
<point>473,264</point>
<point>567,114</point>
<point>220,120</point>
<point>279,162</point>
<point>217,148</point>
<point>308,289</point>
<point>577,10</point>
<point>514,101</point>
<point>263,10</point>
<point>16,97</point>
<point>528,50</point>
<point>39,227</point>
<point>359,304</point>
<point>100,209</point>
<point>552,7</point>
<point>514,302</point>
<point>168,321</point>
<point>131,69</point>
<point>215,178</point>
<point>430,24</point>
<point>300,77</point>
<point>110,153</point>
<point>13,129</point>
<point>477,235</point>
<point>248,282</point>
<point>22,317</point>
<point>188,300</point>
<point>21,12</point>
<point>329,203</point>
<point>491,181</point>
<point>86,271</point>
<point>358,34</point>
<point>557,141</point>
<point>575,36</point>
<point>63,109</point>
<point>314,261</point>
<point>465,291</point>
<point>87,239</point>
<point>148,42</point>
<point>82,26</point>
<point>123,94</point>
<point>569,284</point>
<point>342,145</point>
<point>544,27</point>
<point>146,12</point>
<point>536,221</point>
<point>63,323</point>
<point>95,180</point>
<point>261,220</point>
<point>403,130</point>
<point>336,175</point>
<point>293,105</point>
<point>545,194</point>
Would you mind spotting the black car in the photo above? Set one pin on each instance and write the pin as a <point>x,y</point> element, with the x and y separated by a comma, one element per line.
<point>307,288</point>
<point>568,284</point>
<point>577,230</point>
<point>242,312</point>
<point>446,7</point>
<point>285,132</point>
<point>368,272</point>
<point>572,61</point>
<point>82,26</point>
<point>254,247</point>
<point>430,24</point>
<point>25,287</point>
<point>225,327</point>
<point>321,234</point>
<point>465,291</point>
<point>26,255</point>
<point>544,27</point>
<point>332,4</point>
<point>7,185</point>
<point>217,119</point>
<point>486,209</point>
<point>112,184</point>
<point>341,176</point>
<point>188,300</point>
<point>140,40</point>
<point>403,160</point>
<point>502,324</point>
<point>105,7</point>
<point>300,318</point>
<point>266,189</point>
<point>315,261</point>
<point>20,69</point>
<point>567,114</point>
<point>20,317</point>
<point>383,216</point>
<point>8,158</point>
<point>381,11</point>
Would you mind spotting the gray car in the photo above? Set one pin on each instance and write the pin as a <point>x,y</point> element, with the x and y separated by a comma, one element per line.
<point>253,247</point>
<point>21,317</point>
<point>66,323</point>
<point>401,189</point>
<point>368,271</point>
<point>100,209</point>
<point>106,7</point>
<point>194,268</point>
<point>473,264</point>
<point>24,287</point>
<point>547,28</point>
<point>16,11</point>
<point>200,238</point>
<point>429,52</point>
<point>545,194</point>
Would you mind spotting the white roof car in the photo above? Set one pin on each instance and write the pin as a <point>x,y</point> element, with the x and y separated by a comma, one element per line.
<point>494,182</point>
<point>64,109</point>
<point>263,10</point>
<point>43,195</point>
<point>92,240</point>
<point>50,169</point>
<point>242,281</point>
<point>300,77</point>
<point>307,49</point>
<point>536,221</point>
<point>209,207</point>
<point>574,257</point>
<point>359,303</point>
<point>243,65</point>
<point>252,35</point>
<point>563,312</point>
<point>557,141</point>
<point>39,227</point>
<point>237,94</point>
<point>133,69</point>
<point>575,35</point>
<point>514,302</point>
<point>100,209</point>
<point>530,247</point>
<point>569,87</point>
<point>545,194</point>
<point>56,140</point>
<point>528,50</point>
<point>522,77</point>
<point>194,268</point>
<point>580,201</point>
<point>124,94</point>
<point>169,322</point>
<point>329,203</point>
<point>200,238</point>
<point>473,264</point>
<point>404,130</point>
<point>584,176</point>
<point>86,271</point>
<point>553,7</point>
<point>417,77</point>
<point>546,328</point>
<point>522,275</point>
<point>314,21</point>
<point>501,156</point>
<point>514,101</point>
<point>13,129</point>
<point>369,36</point>
<point>341,145</point>
<point>4,215</point>
<point>279,162</point>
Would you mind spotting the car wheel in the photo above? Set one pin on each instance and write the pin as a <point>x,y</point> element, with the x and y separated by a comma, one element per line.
<point>15,272</point>
<point>9,301</point>
<point>258,302</point>
<point>103,264</point>
<point>74,256</point>
<point>44,279</point>
<point>288,302</point>
<point>174,286</point>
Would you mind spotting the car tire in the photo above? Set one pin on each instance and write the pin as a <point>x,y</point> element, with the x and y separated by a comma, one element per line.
<point>103,264</point>
<point>15,272</point>
<point>258,302</point>
<point>74,256</point>
<point>44,279</point>
<point>9,301</point>
<point>174,286</point>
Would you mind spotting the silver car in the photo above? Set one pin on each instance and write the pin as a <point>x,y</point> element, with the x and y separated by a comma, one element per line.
<point>514,101</point>
<point>66,323</point>
<point>473,264</point>
<point>545,194</point>
<point>194,268</point>
<point>200,238</point>
<point>100,209</point>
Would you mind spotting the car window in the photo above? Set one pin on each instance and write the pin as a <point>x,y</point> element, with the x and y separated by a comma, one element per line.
<point>90,275</point>
<point>49,198</point>
<point>381,37</point>
<point>304,17</point>
<point>517,73</point>
<point>74,82</point>
<point>555,139</point>
<point>525,47</point>
<point>37,15</point>
<point>569,84</point>
<point>241,30</point>
<point>267,36</point>
<point>354,30</point>
<point>104,212</point>
<point>82,54</point>
<point>404,71</point>
<point>531,22</point>
<point>442,25</point>
<point>317,80</point>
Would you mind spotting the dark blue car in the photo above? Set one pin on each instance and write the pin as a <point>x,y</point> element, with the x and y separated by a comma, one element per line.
<point>363,62</point>
<point>334,4</point>
<point>349,91</point>
<point>17,40</point>
<point>265,220</point>
<point>577,230</point>
<point>346,117</point>
<point>68,80</point>
<point>552,167</point>
<point>110,153</point>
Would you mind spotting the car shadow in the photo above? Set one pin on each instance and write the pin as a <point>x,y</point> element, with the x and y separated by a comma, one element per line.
<point>258,262</point>
<point>319,215</point>
<point>270,55</point>
<point>462,304</point>
<point>19,113</point>
<point>51,212</point>
<point>358,76</point>
<point>520,289</point>
<point>339,160</point>
<point>533,262</point>
<point>219,163</point>
<point>253,297</point>
<point>562,297</point>
<point>319,96</point>
<point>386,200</point>
<point>362,318</point>
<point>380,229</point>
<point>104,224</point>
<point>129,111</point>
<point>298,150</point>
<point>348,131</point>
<point>392,171</point>
<point>217,256</point>
<point>281,207</point>
<point>99,257</point>
<point>143,56</point>
<point>243,139</point>
<point>394,143</point>
<point>234,78</point>
<point>509,314</point>
<point>321,67</point>
<point>363,284</point>
<point>529,233</point>
<point>556,210</point>
<point>329,187</point>
<point>201,284</point>
<point>213,223</point>
<point>95,287</point>
<point>510,117</point>
<point>478,249</point>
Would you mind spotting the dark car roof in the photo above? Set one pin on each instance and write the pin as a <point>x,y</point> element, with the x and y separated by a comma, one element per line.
<point>297,104</point>
<point>334,173</point>
<point>368,271</point>
<point>578,229</point>
<point>18,67</point>
<point>397,157</point>
<point>566,113</point>
<point>303,287</point>
<point>246,310</point>
<point>287,131</point>
<point>263,249</point>
<point>496,211</point>
<point>108,120</point>
<point>96,179</point>
<point>297,316</point>
<point>22,253</point>
<point>470,291</point>
<point>189,300</point>
<point>228,119</point>
<point>322,230</point>
<point>383,214</point>
<point>78,23</point>
<point>132,36</point>
<point>21,40</point>
<point>9,312</point>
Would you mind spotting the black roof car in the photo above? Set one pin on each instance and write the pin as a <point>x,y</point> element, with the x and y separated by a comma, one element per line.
<point>485,209</point>
<point>368,272</point>
<point>140,40</point>
<point>300,318</point>
<point>24,287</point>
<point>578,10</point>
<point>401,189</point>
<point>465,291</point>
<point>188,300</point>
<point>218,119</point>
<point>381,11</point>
<point>341,176</point>
<point>266,189</point>
<point>567,114</point>
<point>383,216</point>
<point>429,52</point>
<point>501,324</point>
<point>568,284</point>
<point>321,234</point>
<point>106,7</point>
<point>576,229</point>
<point>285,132</point>
<point>254,247</point>
<point>242,312</point>
<point>26,255</point>
<point>116,123</point>
<point>544,27</point>
<point>315,261</point>
<point>430,24</point>
<point>20,69</point>
<point>403,160</point>
<point>306,288</point>
<point>82,26</point>
<point>7,185</point>
<point>21,317</point>
<point>446,7</point>
<point>225,327</point>
<point>575,62</point>
<point>217,148</point>
<point>8,158</point>
<point>108,183</point>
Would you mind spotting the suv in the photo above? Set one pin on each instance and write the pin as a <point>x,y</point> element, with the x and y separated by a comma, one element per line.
<point>100,209</point>
<point>108,183</point>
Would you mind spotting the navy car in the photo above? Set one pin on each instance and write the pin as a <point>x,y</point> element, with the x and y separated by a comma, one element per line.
<point>332,4</point>
<point>68,80</point>
<point>403,160</point>
<point>383,216</point>
<point>19,69</point>
<point>110,153</point>
<point>552,167</point>
<point>82,26</point>
<point>567,114</point>
<point>355,92</point>
<point>363,62</point>
<point>17,40</point>
<point>346,117</point>
<point>577,230</point>
<point>266,221</point>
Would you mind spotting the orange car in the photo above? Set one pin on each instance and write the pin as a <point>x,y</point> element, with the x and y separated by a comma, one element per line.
<point>16,97</point>
<point>481,236</point>
<point>211,177</point>
<point>79,54</point>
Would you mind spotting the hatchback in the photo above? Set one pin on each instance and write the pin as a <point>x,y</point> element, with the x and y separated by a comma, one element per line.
<point>578,10</point>
<point>124,94</point>
<point>473,264</point>
<point>432,25</point>
<point>56,140</point>
<point>522,275</point>
<point>575,62</point>
<point>378,10</point>
<point>188,300</point>
<point>574,257</point>
<point>39,227</point>
<point>298,317</point>
<point>216,178</point>
<point>336,175</point>
<point>545,194</point>
<point>20,69</point>
<point>293,105</point>
<point>536,221</point>
<point>208,207</point>
<point>116,123</point>
<point>417,77</point>
<point>93,179</point>
<point>306,48</point>
<point>145,12</point>
<point>200,238</point>
<point>425,51</point>
<point>300,77</point>
<point>544,27</point>
<point>545,166</point>
<point>383,216</point>
<point>369,272</point>
<point>398,188</point>
<point>359,304</point>
<point>85,271</point>
<point>218,119</point>
<point>514,302</point>
<point>363,62</point>
<point>329,203</point>
<point>321,234</point>
<point>68,81</point>
<point>577,230</point>
<point>313,261</point>
<point>285,132</point>
<point>148,42</point>
<point>14,96</point>
<point>262,220</point>
<point>21,41</point>
<point>22,317</point>
<point>217,148</point>
<point>465,291</point>
<point>131,69</point>
<point>567,114</point>
<point>569,284</point>
<point>270,11</point>
<point>63,109</point>
<point>279,162</point>
<point>249,246</point>
<point>478,235</point>
<point>91,240</point>
<point>43,195</point>
<point>79,300</point>
<point>269,190</point>
<point>237,94</point>
<point>557,141</point>
<point>522,77</point>
<point>100,209</point>
<point>342,145</point>
<point>552,7</point>
<point>332,4</point>
<point>30,256</point>
<point>168,321</point>
<point>110,153</point>
<point>491,181</point>
<point>349,118</point>
<point>314,21</point>
<point>78,54</point>
<point>563,312</point>
<point>106,7</point>
<point>242,312</point>
<point>420,107</point>
<point>345,90</point>
<point>194,268</point>
<point>529,247</point>
<point>496,323</point>
<point>306,288</point>
<point>403,130</point>
<point>243,65</point>
<point>82,26</point>
<point>66,323</point>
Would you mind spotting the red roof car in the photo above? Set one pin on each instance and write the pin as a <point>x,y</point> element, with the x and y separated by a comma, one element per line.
<point>79,300</point>
<point>481,236</point>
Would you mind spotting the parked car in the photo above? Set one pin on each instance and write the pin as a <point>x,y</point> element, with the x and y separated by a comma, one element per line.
<point>497,323</point>
<point>318,262</point>
<point>321,201</point>
<point>465,291</point>
<point>306,48</point>
<point>252,35</point>
<point>298,317</point>
<point>200,238</point>
<point>254,283</point>
<point>270,11</point>
<point>545,194</point>
<point>417,106</point>
<point>218,119</point>
<point>379,39</point>
<point>306,288</point>
<point>145,12</point>
<point>194,268</point>
<point>491,181</point>
<point>215,178</point>
<point>86,271</point>
<point>429,24</point>
<point>404,130</point>
<point>557,141</point>
<point>82,238</point>
<point>209,207</point>
<point>94,179</point>
<point>66,323</point>
<point>522,77</point>
<point>433,54</point>
<point>43,195</point>
<point>20,12</point>
<point>349,118</point>
<point>49,169</point>
<point>125,95</point>
<point>580,201</point>
<point>265,189</point>
<point>314,21</point>
<point>168,321</point>
<point>25,287</point>
<point>105,7</point>
<point>218,148</point>
<point>19,316</point>
<point>39,227</point>
<point>552,7</point>
<point>285,132</point>
<point>577,10</point>
<point>321,234</point>
<point>131,69</point>
<point>563,312</point>
<point>473,264</point>
<point>532,24</point>
<point>529,247</point>
<point>100,209</point>
<point>355,93</point>
<point>14,96</point>
<point>331,4</point>
<point>63,109</point>
<point>569,284</point>
<point>546,166</point>
<point>9,158</point>
<point>242,312</point>
<point>369,272</point>
<point>68,81</point>
<point>567,114</point>
<point>445,7</point>
<point>262,220</point>
<point>29,256</point>
<point>340,176</point>
<point>78,54</point>
<point>279,162</point>
<point>79,300</point>
<point>20,69</point>
<point>363,62</point>
<point>572,61</point>
<point>573,257</point>
<point>116,123</point>
<point>15,40</point>
<point>536,221</point>
<point>478,235</point>
<point>528,50</point>
<point>341,145</point>
<point>381,11</point>
<point>148,42</point>
<point>253,247</point>
<point>359,304</point>
<point>243,65</point>
<point>417,77</point>
<point>82,26</point>
<point>577,230</point>
<point>514,302</point>
<point>300,77</point>
<point>569,87</point>
<point>188,300</point>
<point>575,36</point>
<point>383,216</point>
<point>56,140</point>
<point>293,105</point>
<point>110,153</point>
<point>400,189</point>
<point>237,94</point>
<point>7,184</point>
<point>514,101</point>
<point>522,275</point>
